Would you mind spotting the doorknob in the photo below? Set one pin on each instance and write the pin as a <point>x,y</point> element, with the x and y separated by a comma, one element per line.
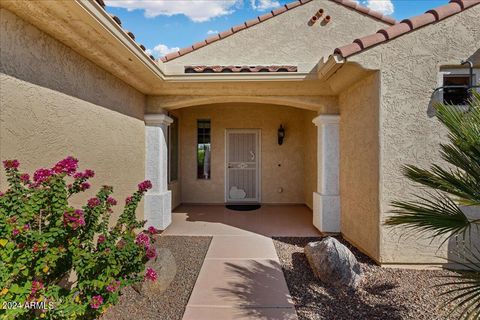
<point>253,155</point>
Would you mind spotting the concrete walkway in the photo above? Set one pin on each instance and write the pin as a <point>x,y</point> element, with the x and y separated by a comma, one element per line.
<point>241,277</point>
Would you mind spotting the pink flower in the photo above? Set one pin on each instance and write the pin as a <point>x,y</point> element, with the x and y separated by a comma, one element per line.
<point>113,286</point>
<point>11,164</point>
<point>96,301</point>
<point>15,232</point>
<point>93,202</point>
<point>36,286</point>
<point>42,175</point>
<point>111,201</point>
<point>89,173</point>
<point>101,239</point>
<point>143,239</point>
<point>84,186</point>
<point>1,194</point>
<point>151,253</point>
<point>151,274</point>
<point>128,199</point>
<point>25,177</point>
<point>144,186</point>
<point>68,165</point>
<point>26,227</point>
<point>74,219</point>
<point>152,230</point>
<point>84,175</point>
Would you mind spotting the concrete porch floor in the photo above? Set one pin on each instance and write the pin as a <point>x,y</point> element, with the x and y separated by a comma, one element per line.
<point>241,276</point>
<point>269,220</point>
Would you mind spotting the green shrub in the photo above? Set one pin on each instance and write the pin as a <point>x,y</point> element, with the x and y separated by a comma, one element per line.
<point>61,262</point>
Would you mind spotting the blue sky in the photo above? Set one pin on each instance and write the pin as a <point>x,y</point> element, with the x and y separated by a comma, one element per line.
<point>166,25</point>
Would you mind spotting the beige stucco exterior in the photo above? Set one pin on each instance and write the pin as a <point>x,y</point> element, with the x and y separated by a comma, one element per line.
<point>359,160</point>
<point>290,166</point>
<point>55,103</point>
<point>83,88</point>
<point>409,67</point>
<point>287,38</point>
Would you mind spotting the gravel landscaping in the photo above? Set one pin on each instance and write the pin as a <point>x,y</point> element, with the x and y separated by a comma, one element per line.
<point>384,293</point>
<point>178,264</point>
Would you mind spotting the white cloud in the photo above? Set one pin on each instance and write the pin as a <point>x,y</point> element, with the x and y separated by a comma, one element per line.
<point>383,6</point>
<point>161,50</point>
<point>196,10</point>
<point>212,31</point>
<point>262,5</point>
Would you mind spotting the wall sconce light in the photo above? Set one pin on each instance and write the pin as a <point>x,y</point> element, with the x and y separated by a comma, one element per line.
<point>281,135</point>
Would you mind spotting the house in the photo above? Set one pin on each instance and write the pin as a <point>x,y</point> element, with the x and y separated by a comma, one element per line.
<point>318,103</point>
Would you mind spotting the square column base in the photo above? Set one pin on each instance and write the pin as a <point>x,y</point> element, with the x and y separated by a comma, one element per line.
<point>158,210</point>
<point>326,212</point>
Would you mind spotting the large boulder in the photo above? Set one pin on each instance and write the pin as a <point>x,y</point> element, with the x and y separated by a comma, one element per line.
<point>333,263</point>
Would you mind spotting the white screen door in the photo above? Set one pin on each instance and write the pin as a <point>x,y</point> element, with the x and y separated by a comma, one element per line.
<point>242,166</point>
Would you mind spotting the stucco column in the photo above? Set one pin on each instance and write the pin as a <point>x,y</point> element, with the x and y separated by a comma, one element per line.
<point>326,201</point>
<point>158,200</point>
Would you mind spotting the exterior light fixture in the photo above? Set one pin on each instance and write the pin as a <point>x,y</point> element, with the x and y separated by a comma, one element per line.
<point>281,135</point>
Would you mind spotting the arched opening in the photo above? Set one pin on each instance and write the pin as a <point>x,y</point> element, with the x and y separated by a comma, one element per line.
<point>287,172</point>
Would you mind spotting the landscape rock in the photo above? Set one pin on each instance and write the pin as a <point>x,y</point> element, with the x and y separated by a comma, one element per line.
<point>333,263</point>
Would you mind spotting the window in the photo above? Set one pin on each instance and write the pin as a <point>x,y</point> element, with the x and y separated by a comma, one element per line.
<point>457,94</point>
<point>173,150</point>
<point>203,149</point>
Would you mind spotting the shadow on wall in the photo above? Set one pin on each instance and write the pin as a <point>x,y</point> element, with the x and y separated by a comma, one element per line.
<point>33,56</point>
<point>255,293</point>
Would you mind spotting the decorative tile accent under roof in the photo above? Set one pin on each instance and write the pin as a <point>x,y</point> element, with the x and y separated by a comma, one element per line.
<point>353,5</point>
<point>405,26</point>
<point>130,34</point>
<point>226,69</point>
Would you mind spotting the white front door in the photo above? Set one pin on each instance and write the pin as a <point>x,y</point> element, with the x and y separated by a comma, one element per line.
<point>242,155</point>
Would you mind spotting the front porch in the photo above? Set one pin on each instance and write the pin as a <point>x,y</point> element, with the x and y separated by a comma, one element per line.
<point>268,221</point>
<point>232,152</point>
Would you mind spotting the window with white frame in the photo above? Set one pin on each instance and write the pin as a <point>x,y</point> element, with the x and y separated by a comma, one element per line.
<point>173,150</point>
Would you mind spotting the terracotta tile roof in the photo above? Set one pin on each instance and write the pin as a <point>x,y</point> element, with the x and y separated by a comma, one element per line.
<point>225,69</point>
<point>405,26</point>
<point>119,22</point>
<point>271,14</point>
<point>374,14</point>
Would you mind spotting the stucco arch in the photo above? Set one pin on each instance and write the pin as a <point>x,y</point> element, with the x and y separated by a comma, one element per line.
<point>321,104</point>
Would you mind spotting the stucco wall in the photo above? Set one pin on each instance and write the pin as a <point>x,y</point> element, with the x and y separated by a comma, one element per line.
<point>287,38</point>
<point>359,164</point>
<point>289,176</point>
<point>410,65</point>
<point>55,103</point>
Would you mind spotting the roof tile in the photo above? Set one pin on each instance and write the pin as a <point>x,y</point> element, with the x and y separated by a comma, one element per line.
<point>185,50</point>
<point>292,5</point>
<point>370,40</point>
<point>446,10</point>
<point>199,44</point>
<point>237,69</point>
<point>421,20</point>
<point>406,26</point>
<point>280,10</point>
<point>252,22</point>
<point>265,16</point>
<point>225,33</point>
<point>239,27</point>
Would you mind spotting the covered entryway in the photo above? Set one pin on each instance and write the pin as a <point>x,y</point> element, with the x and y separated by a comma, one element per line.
<point>223,153</point>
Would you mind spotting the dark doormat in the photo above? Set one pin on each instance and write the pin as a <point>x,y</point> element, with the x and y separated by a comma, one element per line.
<point>243,207</point>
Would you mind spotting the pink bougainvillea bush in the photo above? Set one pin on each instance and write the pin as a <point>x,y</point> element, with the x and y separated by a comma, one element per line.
<point>61,262</point>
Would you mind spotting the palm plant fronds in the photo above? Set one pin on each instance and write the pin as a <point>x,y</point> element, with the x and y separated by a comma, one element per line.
<point>440,213</point>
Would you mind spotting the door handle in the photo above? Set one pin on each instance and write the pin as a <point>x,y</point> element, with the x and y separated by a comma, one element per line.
<point>253,155</point>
